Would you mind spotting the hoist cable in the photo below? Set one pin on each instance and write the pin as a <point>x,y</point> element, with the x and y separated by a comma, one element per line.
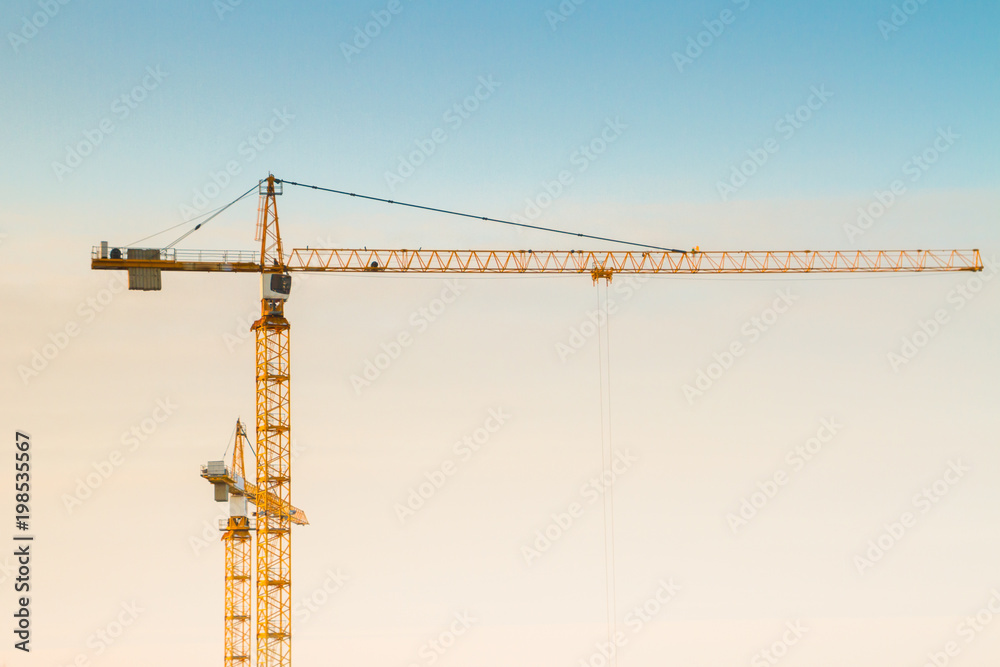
<point>190,220</point>
<point>611,491</point>
<point>209,219</point>
<point>232,439</point>
<point>482,217</point>
<point>607,466</point>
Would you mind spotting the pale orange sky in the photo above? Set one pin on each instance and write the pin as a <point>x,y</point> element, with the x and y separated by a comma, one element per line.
<point>145,536</point>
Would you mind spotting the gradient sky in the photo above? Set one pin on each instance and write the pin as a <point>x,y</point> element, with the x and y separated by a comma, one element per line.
<point>202,82</point>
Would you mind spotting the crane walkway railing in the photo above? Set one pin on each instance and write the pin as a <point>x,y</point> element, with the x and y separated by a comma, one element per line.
<point>105,252</point>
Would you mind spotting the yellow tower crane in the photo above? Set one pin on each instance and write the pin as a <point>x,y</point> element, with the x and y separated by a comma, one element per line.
<point>231,485</point>
<point>274,519</point>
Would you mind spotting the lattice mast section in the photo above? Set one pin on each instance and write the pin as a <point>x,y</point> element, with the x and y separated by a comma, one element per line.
<point>271,258</point>
<point>274,544</point>
<point>239,582</point>
<point>238,592</point>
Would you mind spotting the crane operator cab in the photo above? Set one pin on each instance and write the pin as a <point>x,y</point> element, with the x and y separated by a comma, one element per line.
<point>275,286</point>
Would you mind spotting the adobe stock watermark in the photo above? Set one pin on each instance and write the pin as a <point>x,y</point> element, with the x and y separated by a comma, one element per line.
<point>363,35</point>
<point>209,532</point>
<point>900,16</point>
<point>130,440</point>
<point>436,647</point>
<point>7,569</point>
<point>247,151</point>
<point>31,26</point>
<point>59,340</point>
<point>923,502</point>
<point>452,119</point>
<point>913,170</point>
<point>968,630</point>
<point>582,333</point>
<point>796,459</point>
<point>590,492</point>
<point>785,127</point>
<point>223,7</point>
<point>242,332</point>
<point>419,321</point>
<point>637,618</point>
<point>304,608</point>
<point>562,12</point>
<point>121,109</point>
<point>928,329</point>
<point>102,639</point>
<point>751,332</point>
<point>714,28</point>
<point>773,654</point>
<point>580,160</point>
<point>464,449</point>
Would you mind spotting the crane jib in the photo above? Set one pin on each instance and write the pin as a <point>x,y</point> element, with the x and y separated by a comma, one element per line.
<point>144,264</point>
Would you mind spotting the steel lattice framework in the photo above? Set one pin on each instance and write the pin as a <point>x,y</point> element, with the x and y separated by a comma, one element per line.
<point>238,570</point>
<point>274,459</point>
<point>562,261</point>
<point>587,261</point>
<point>238,587</point>
<point>274,539</point>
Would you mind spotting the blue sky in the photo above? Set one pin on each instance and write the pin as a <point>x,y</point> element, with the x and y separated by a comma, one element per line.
<point>498,109</point>
<point>354,117</point>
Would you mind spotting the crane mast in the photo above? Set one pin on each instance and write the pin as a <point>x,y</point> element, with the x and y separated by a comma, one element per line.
<point>274,459</point>
<point>237,544</point>
<point>231,485</point>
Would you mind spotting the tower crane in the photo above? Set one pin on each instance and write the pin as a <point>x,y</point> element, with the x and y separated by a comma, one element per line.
<point>273,630</point>
<point>231,485</point>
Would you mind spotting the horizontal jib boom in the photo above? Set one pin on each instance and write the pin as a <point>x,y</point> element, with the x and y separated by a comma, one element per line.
<point>562,261</point>
<point>586,261</point>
